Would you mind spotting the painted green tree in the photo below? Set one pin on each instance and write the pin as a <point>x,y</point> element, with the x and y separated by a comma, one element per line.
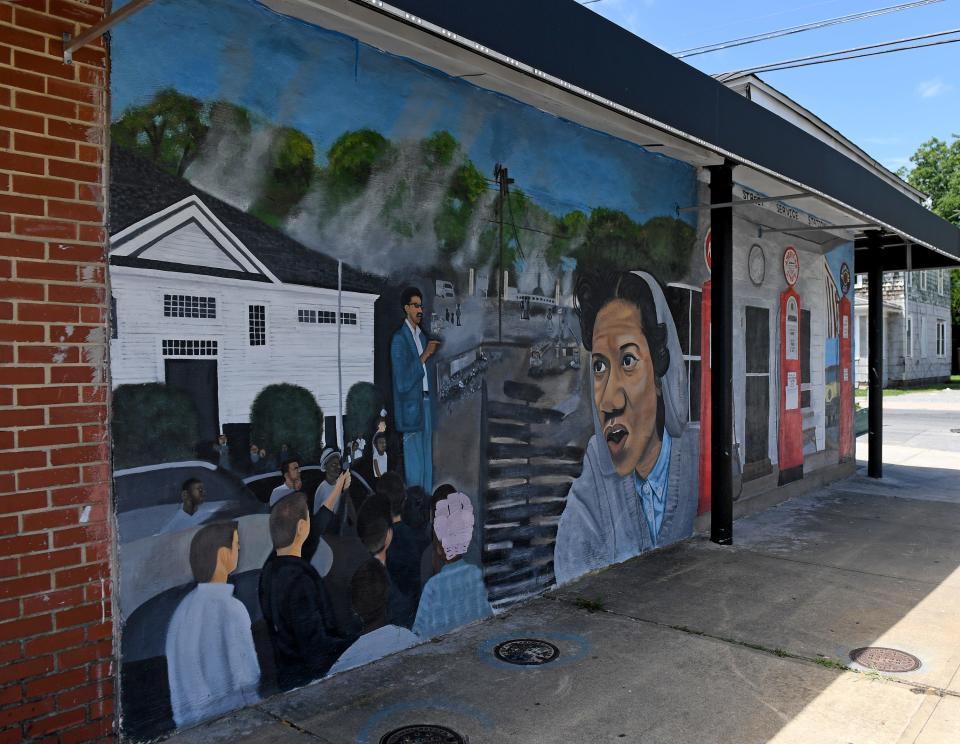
<point>168,130</point>
<point>151,424</point>
<point>291,172</point>
<point>364,403</point>
<point>351,160</point>
<point>287,414</point>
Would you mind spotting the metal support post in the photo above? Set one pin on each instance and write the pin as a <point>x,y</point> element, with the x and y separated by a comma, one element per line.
<point>875,377</point>
<point>721,354</point>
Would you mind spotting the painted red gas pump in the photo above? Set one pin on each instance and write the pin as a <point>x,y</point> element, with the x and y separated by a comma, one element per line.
<point>846,371</point>
<point>790,438</point>
<point>705,438</point>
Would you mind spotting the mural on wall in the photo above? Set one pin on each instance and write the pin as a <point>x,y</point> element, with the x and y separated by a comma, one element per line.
<point>390,353</point>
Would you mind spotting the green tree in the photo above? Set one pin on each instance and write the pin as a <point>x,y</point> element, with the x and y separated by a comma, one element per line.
<point>168,130</point>
<point>670,243</point>
<point>287,414</point>
<point>936,172</point>
<point>290,174</point>
<point>567,232</point>
<point>152,423</point>
<point>364,402</point>
<point>351,160</point>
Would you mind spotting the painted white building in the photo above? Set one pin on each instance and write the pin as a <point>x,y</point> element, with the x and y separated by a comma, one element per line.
<point>212,300</point>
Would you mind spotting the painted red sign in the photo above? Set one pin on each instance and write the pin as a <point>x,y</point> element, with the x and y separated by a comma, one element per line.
<point>790,438</point>
<point>846,368</point>
<point>791,265</point>
<point>705,468</point>
<point>707,255</point>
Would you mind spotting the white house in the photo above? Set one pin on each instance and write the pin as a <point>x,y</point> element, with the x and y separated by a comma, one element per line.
<point>212,300</point>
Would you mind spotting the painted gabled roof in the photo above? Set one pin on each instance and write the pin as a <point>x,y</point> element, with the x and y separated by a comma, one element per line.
<point>142,195</point>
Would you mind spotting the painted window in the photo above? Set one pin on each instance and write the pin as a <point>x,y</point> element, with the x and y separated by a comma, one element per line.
<point>805,386</point>
<point>921,340</point>
<point>189,306</point>
<point>909,278</point>
<point>113,317</point>
<point>684,304</point>
<point>940,281</point>
<point>941,338</point>
<point>908,347</point>
<point>311,315</point>
<point>178,347</point>
<point>257,319</point>
<point>923,280</point>
<point>348,318</point>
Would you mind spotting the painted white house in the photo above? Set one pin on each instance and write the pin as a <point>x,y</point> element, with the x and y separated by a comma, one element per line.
<point>212,300</point>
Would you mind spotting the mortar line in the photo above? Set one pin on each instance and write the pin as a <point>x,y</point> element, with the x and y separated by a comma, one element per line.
<point>296,727</point>
<point>778,652</point>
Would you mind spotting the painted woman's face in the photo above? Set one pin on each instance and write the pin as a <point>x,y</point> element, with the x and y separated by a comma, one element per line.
<point>625,389</point>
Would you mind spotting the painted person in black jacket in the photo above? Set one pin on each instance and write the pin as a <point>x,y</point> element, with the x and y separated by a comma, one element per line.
<point>295,602</point>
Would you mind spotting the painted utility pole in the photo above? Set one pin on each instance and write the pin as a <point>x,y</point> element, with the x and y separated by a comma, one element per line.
<point>501,174</point>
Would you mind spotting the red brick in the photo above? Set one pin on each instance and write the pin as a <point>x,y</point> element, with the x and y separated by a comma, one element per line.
<point>28,627</point>
<point>6,357</point>
<point>6,267</point>
<point>8,482</point>
<point>50,270</point>
<point>49,477</point>
<point>77,414</point>
<point>94,552</point>
<point>6,13</point>
<point>102,709</point>
<point>21,332</point>
<point>48,354</point>
<point>48,436</point>
<point>78,536</point>
<point>56,723</point>
<point>45,146</point>
<point>5,144</point>
<point>74,495</point>
<point>46,228</point>
<point>9,526</point>
<point>91,234</point>
<point>90,75</point>
<point>7,440</point>
<point>21,460</point>
<point>47,312</point>
<point>22,375</point>
<point>49,520</point>
<point>73,91</point>
<point>22,121</point>
<point>17,37</point>
<point>76,455</point>
<point>6,311</point>
<point>90,55</point>
<point>79,615</point>
<point>98,731</point>
<point>97,315</point>
<point>38,5</point>
<point>22,163</point>
<point>10,695</point>
<point>78,132</point>
<point>89,154</point>
<point>4,177</point>
<point>81,295</point>
<point>25,670</point>
<point>55,642</point>
<point>21,79</point>
<point>79,696</point>
<point>44,65</point>
<point>17,248</point>
<point>44,186</point>
<point>84,655</point>
<point>97,473</point>
<point>48,395</point>
<point>53,601</point>
<point>45,105</point>
<point>23,544</point>
<point>52,560</point>
<point>10,716</point>
<point>99,631</point>
<point>88,253</point>
<point>10,610</point>
<point>75,211</point>
<point>23,502</point>
<point>81,575</point>
<point>23,205</point>
<point>25,586</point>
<point>74,171</point>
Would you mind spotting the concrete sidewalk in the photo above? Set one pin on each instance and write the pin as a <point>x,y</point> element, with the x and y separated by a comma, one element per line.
<point>696,643</point>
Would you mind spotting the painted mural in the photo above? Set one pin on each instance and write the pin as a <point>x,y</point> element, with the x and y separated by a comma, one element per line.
<point>390,353</point>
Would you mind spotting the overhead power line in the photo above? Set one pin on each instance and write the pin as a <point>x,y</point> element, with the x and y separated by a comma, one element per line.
<point>813,26</point>
<point>851,53</point>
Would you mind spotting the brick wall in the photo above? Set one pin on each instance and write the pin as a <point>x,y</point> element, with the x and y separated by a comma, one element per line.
<point>56,630</point>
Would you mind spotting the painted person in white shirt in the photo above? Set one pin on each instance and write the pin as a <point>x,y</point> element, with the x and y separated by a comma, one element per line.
<point>292,482</point>
<point>212,663</point>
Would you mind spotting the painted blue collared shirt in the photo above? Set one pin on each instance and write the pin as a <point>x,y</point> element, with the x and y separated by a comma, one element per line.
<point>652,490</point>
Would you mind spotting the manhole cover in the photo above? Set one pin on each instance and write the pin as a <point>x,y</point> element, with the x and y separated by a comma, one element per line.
<point>526,651</point>
<point>885,659</point>
<point>425,733</point>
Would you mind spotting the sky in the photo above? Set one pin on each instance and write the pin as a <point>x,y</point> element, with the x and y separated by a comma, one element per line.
<point>324,83</point>
<point>888,105</point>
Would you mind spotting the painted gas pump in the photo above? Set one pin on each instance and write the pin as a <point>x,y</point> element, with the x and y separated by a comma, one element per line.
<point>790,439</point>
<point>846,371</point>
<point>705,438</point>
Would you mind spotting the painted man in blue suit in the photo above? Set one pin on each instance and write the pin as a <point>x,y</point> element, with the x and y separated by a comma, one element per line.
<point>413,389</point>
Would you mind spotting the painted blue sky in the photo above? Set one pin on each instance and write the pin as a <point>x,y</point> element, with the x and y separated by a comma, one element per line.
<point>888,105</point>
<point>324,84</point>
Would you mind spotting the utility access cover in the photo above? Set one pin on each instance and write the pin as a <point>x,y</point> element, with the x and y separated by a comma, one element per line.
<point>424,733</point>
<point>526,652</point>
<point>885,659</point>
